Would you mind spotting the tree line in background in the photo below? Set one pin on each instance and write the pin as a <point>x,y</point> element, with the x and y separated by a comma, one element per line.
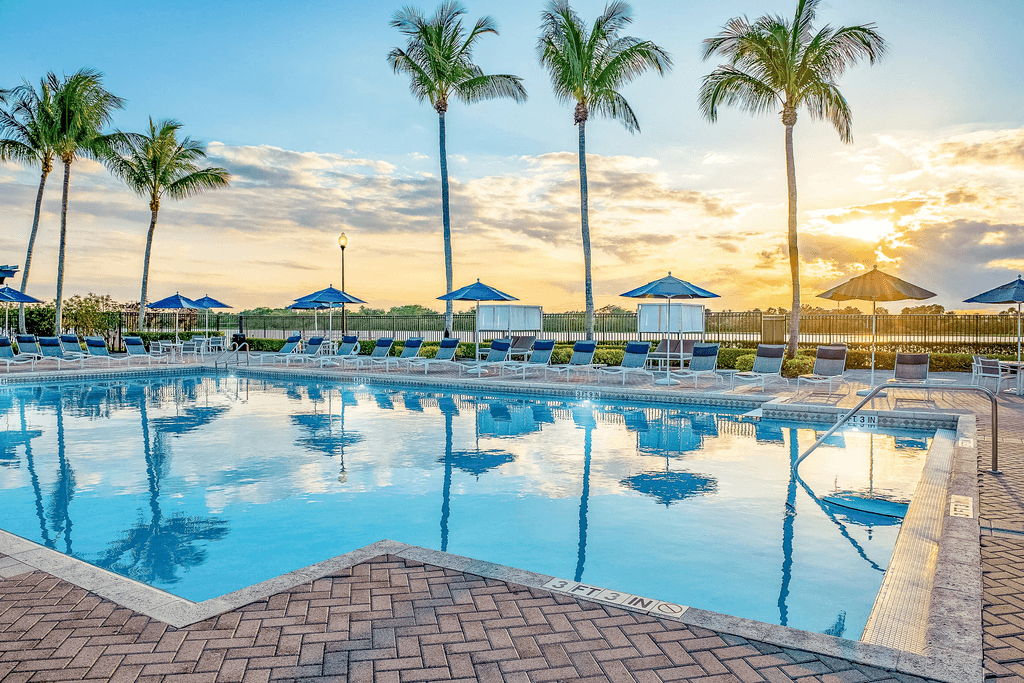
<point>65,118</point>
<point>772,64</point>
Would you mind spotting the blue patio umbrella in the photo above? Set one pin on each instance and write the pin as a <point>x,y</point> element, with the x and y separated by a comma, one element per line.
<point>477,292</point>
<point>331,297</point>
<point>1012,293</point>
<point>176,302</point>
<point>208,302</point>
<point>9,295</point>
<point>310,306</point>
<point>670,288</point>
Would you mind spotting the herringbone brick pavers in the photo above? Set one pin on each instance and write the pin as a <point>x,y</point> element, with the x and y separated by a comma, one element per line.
<point>388,620</point>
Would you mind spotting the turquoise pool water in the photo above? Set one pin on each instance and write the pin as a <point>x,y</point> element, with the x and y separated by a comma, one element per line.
<point>203,485</point>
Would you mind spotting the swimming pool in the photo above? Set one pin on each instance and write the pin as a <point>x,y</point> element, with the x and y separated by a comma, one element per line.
<point>202,485</point>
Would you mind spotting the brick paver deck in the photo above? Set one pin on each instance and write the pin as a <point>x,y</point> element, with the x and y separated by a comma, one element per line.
<point>388,620</point>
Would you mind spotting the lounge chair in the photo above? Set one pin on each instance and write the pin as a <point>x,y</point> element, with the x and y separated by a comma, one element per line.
<point>539,359</point>
<point>137,350</point>
<point>348,347</point>
<point>669,350</point>
<point>70,345</point>
<point>911,368</point>
<point>382,349</point>
<point>445,357</point>
<point>291,346</point>
<point>634,362</point>
<point>9,358</point>
<point>497,354</point>
<point>703,362</point>
<point>992,369</point>
<point>312,351</point>
<point>97,350</point>
<point>521,346</point>
<point>582,359</point>
<point>28,345</point>
<point>410,350</point>
<point>767,365</point>
<point>53,352</point>
<point>829,366</point>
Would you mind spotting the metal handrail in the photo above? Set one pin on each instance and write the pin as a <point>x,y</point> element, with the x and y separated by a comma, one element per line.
<point>235,349</point>
<point>871,394</point>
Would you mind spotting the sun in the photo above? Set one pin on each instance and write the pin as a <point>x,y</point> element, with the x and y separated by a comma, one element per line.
<point>867,229</point>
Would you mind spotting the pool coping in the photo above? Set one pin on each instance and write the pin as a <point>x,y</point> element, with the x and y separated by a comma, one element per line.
<point>953,641</point>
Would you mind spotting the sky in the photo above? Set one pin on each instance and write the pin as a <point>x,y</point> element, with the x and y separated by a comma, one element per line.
<point>297,101</point>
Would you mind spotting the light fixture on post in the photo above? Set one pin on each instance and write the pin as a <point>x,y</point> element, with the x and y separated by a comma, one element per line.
<point>343,242</point>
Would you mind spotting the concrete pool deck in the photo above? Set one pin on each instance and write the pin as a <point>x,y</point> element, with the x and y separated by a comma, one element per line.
<point>1000,513</point>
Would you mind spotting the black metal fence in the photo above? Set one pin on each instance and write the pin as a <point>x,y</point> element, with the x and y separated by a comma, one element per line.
<point>720,326</point>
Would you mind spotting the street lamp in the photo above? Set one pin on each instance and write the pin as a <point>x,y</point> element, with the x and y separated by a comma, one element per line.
<point>343,242</point>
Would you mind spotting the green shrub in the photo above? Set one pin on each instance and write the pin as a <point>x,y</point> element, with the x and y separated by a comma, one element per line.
<point>801,365</point>
<point>727,357</point>
<point>609,356</point>
<point>745,363</point>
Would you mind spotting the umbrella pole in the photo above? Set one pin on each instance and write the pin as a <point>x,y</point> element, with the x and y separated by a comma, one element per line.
<point>668,381</point>
<point>874,329</point>
<point>330,322</point>
<point>476,332</point>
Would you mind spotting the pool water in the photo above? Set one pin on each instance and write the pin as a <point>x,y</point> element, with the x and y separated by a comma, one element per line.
<point>203,485</point>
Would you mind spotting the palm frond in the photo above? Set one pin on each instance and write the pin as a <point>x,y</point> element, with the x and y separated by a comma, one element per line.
<point>727,85</point>
<point>825,102</point>
<point>13,150</point>
<point>614,106</point>
<point>490,87</point>
<point>196,182</point>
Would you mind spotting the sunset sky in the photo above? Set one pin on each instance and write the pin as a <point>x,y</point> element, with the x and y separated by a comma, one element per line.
<point>297,101</point>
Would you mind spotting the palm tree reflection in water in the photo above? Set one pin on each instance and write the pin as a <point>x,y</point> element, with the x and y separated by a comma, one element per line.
<point>154,551</point>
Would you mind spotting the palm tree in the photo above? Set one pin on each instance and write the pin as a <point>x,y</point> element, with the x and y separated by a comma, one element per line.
<point>588,69</point>
<point>82,108</point>
<point>156,163</point>
<point>774,62</point>
<point>438,58</point>
<point>26,136</point>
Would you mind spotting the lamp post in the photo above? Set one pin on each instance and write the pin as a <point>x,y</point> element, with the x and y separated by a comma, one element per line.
<point>343,242</point>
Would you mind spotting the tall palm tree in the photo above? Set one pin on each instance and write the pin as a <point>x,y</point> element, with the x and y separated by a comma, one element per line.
<point>155,164</point>
<point>777,63</point>
<point>26,136</point>
<point>82,108</point>
<point>438,58</point>
<point>588,68</point>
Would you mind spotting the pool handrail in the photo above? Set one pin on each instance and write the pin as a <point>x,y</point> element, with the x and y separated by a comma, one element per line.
<point>994,469</point>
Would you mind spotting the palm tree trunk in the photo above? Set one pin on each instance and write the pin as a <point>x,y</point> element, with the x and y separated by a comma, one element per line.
<point>585,223</point>
<point>145,269</point>
<point>446,221</point>
<point>794,250</point>
<point>63,242</point>
<point>31,243</point>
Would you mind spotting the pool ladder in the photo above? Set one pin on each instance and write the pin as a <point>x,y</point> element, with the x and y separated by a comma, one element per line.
<point>895,385</point>
<point>233,352</point>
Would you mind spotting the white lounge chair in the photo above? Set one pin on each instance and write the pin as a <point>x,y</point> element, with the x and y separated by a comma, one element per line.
<point>70,345</point>
<point>445,357</point>
<point>993,370</point>
<point>703,363</point>
<point>539,359</point>
<point>311,352</point>
<point>829,367</point>
<point>349,347</point>
<point>136,349</point>
<point>98,351</point>
<point>634,362</point>
<point>9,358</point>
<point>767,365</point>
<point>54,353</point>
<point>381,349</point>
<point>291,345</point>
<point>582,359</point>
<point>496,356</point>
<point>410,350</point>
<point>28,345</point>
